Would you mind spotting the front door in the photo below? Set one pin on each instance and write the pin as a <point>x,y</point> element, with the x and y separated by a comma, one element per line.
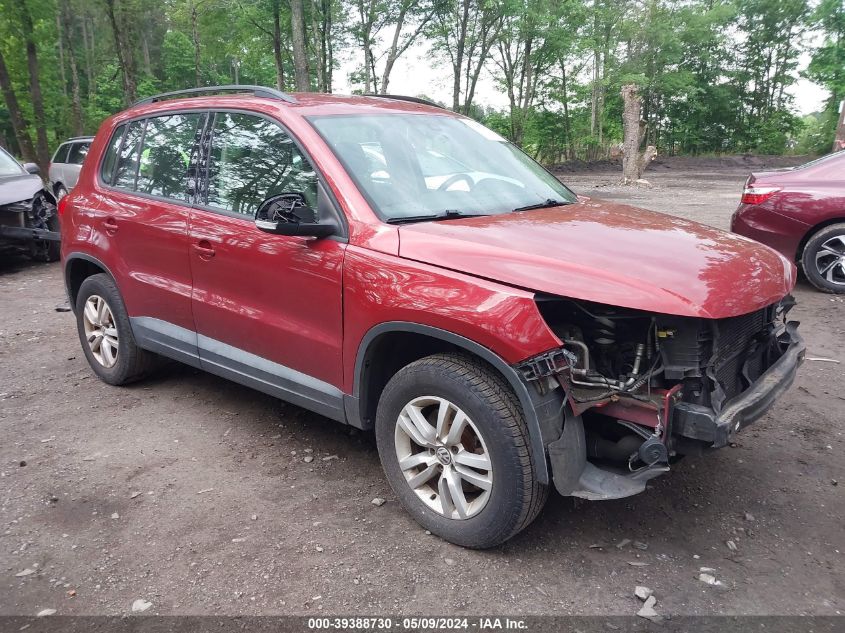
<point>267,307</point>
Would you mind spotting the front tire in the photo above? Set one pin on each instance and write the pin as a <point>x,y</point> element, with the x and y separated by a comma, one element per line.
<point>455,449</point>
<point>823,259</point>
<point>105,333</point>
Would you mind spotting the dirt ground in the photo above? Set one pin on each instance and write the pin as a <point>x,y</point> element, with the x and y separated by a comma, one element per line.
<point>192,493</point>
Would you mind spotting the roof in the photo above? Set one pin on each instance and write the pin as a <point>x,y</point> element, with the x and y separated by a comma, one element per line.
<point>303,103</point>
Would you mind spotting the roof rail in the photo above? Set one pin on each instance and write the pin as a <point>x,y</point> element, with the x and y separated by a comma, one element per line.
<point>405,98</point>
<point>258,91</point>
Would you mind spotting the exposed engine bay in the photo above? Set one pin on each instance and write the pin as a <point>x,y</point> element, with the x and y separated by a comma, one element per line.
<point>32,223</point>
<point>652,387</point>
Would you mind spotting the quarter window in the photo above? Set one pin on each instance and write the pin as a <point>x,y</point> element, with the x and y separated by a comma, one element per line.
<point>128,157</point>
<point>166,156</point>
<point>252,159</point>
<point>107,170</point>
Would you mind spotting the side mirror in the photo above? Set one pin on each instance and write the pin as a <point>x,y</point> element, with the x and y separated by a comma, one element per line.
<point>289,214</point>
<point>31,168</point>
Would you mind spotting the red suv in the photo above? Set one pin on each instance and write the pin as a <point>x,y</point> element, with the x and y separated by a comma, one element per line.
<point>398,267</point>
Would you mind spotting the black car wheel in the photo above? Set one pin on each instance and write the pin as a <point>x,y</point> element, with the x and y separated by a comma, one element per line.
<point>455,449</point>
<point>823,259</point>
<point>106,335</point>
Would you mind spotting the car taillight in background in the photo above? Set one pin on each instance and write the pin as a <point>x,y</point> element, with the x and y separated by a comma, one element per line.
<point>756,194</point>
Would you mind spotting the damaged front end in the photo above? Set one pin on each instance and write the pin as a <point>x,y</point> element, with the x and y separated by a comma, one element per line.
<point>641,389</point>
<point>32,222</point>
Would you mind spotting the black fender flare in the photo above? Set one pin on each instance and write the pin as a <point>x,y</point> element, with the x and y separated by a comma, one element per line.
<point>543,414</point>
<point>66,272</point>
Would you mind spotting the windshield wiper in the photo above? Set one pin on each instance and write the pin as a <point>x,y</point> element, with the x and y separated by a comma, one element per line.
<point>549,202</point>
<point>449,214</point>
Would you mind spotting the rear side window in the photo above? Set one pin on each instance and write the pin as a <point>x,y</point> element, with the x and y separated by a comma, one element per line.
<point>252,159</point>
<point>128,157</point>
<point>78,152</point>
<point>61,154</point>
<point>166,155</point>
<point>110,160</point>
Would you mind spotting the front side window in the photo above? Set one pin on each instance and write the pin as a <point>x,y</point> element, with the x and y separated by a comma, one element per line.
<point>166,155</point>
<point>8,165</point>
<point>419,166</point>
<point>252,158</point>
<point>128,157</point>
<point>78,152</point>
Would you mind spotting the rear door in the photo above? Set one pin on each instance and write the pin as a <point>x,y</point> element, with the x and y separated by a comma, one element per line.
<point>144,226</point>
<point>73,165</point>
<point>267,307</point>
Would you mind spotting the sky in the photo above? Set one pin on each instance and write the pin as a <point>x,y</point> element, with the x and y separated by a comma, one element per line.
<point>417,73</point>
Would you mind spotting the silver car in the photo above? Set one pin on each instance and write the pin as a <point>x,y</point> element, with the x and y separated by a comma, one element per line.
<point>66,163</point>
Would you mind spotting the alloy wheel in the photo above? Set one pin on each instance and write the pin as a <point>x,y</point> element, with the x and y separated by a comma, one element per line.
<point>100,330</point>
<point>830,260</point>
<point>443,457</point>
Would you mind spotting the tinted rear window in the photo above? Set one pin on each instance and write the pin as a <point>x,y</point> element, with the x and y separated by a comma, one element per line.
<point>166,155</point>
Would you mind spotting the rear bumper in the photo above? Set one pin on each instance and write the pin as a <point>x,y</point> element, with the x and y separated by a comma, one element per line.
<point>705,425</point>
<point>772,229</point>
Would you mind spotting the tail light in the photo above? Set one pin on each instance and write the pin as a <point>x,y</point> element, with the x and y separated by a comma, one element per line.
<point>757,194</point>
<point>61,205</point>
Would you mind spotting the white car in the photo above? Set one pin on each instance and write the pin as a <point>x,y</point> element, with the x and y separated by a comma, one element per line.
<point>66,163</point>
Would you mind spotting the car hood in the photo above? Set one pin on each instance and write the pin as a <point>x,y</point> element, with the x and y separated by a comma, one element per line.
<point>17,188</point>
<point>612,254</point>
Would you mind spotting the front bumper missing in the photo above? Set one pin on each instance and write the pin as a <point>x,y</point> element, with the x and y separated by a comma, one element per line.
<point>26,233</point>
<point>717,429</point>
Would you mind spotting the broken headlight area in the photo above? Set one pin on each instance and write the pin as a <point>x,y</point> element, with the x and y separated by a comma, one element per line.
<point>629,373</point>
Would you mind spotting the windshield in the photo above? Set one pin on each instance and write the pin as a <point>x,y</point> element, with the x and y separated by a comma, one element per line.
<point>424,166</point>
<point>8,165</point>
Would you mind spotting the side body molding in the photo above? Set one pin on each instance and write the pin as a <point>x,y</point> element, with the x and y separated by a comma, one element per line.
<point>541,415</point>
<point>238,366</point>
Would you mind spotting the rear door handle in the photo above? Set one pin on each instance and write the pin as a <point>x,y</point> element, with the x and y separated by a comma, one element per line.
<point>204,249</point>
<point>111,225</point>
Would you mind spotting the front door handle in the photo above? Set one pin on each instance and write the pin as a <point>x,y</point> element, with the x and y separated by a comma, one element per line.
<point>204,249</point>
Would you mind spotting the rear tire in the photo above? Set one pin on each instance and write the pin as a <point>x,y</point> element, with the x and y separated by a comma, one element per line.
<point>823,259</point>
<point>490,448</point>
<point>105,333</point>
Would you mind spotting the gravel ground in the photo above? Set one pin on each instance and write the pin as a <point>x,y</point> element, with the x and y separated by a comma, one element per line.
<point>194,494</point>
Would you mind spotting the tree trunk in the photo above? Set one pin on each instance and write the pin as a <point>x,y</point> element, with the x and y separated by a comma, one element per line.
<point>89,64</point>
<point>319,52</point>
<point>458,62</point>
<point>61,56</point>
<point>19,125</point>
<point>327,43</point>
<point>42,148</point>
<point>277,45</point>
<point>567,130</point>
<point>76,99</point>
<point>631,134</point>
<point>300,56</point>
<point>839,138</point>
<point>124,56</point>
<point>195,38</point>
